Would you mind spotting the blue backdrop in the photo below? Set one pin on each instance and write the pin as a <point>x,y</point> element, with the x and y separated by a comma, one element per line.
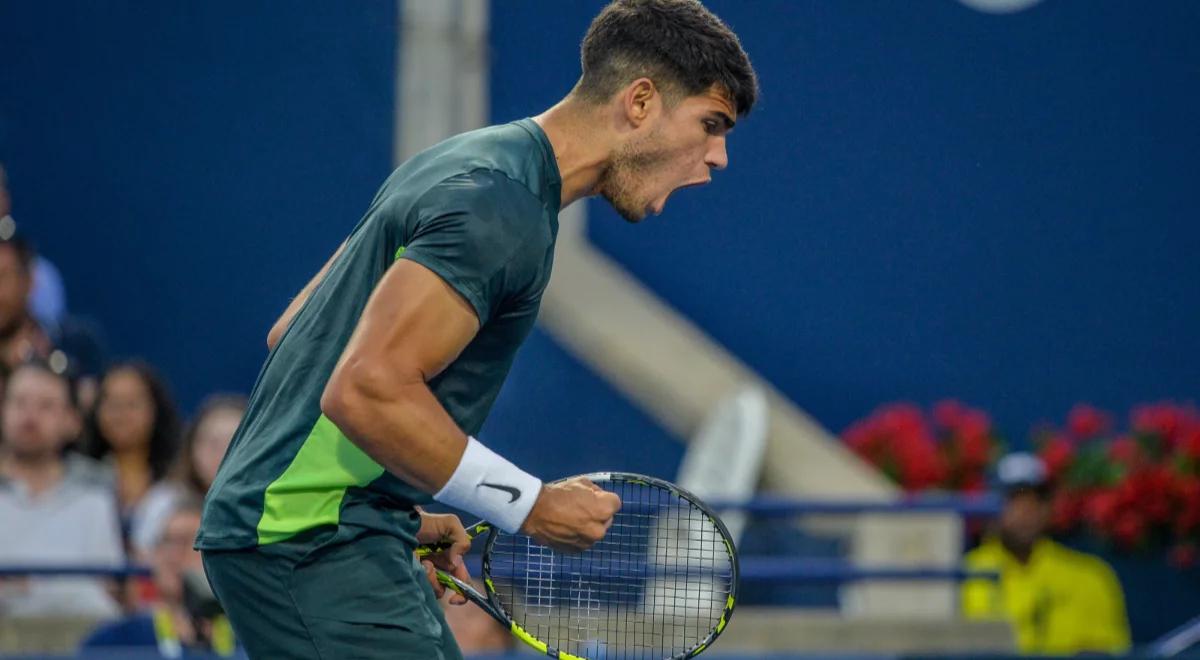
<point>929,201</point>
<point>189,167</point>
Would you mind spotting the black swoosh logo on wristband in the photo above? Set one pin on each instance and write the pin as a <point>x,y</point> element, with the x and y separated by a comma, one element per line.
<point>516,494</point>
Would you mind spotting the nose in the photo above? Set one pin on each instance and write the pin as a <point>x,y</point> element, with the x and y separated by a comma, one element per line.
<point>717,158</point>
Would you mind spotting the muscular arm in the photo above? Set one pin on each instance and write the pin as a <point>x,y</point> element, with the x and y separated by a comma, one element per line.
<point>414,325</point>
<point>281,324</point>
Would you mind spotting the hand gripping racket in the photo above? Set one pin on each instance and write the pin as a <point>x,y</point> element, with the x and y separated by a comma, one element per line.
<point>660,585</point>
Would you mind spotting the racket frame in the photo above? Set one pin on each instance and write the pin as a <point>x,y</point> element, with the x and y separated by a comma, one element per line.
<point>490,601</point>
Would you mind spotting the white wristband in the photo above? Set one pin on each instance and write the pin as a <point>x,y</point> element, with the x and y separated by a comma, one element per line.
<point>487,485</point>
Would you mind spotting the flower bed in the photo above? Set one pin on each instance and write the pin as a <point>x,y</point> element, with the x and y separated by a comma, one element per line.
<point>1133,489</point>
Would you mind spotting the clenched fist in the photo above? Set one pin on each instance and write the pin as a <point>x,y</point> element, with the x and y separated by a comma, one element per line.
<point>571,515</point>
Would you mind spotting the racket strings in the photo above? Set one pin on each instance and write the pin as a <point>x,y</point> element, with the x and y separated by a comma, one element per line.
<point>654,587</point>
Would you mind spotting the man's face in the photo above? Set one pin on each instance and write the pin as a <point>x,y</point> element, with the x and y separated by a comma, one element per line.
<point>675,148</point>
<point>15,283</point>
<point>1025,518</point>
<point>37,416</point>
<point>173,555</point>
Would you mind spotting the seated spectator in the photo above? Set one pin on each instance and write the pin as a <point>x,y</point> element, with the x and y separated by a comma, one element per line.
<point>169,625</point>
<point>204,445</point>
<point>33,317</point>
<point>21,337</point>
<point>53,511</point>
<point>1059,601</point>
<point>134,429</point>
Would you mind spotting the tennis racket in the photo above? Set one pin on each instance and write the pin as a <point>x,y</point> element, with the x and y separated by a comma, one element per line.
<point>660,585</point>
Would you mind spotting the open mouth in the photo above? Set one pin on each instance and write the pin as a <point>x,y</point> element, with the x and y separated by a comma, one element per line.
<point>657,208</point>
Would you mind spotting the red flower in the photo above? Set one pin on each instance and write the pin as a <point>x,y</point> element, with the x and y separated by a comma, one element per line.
<point>1101,508</point>
<point>1189,443</point>
<point>1128,528</point>
<point>1168,420</point>
<point>1086,422</point>
<point>1187,494</point>
<point>1187,489</point>
<point>1125,450</point>
<point>921,466</point>
<point>898,439</point>
<point>1057,453</point>
<point>959,420</point>
<point>1068,509</point>
<point>1152,493</point>
<point>946,414</point>
<point>974,451</point>
<point>903,419</point>
<point>858,437</point>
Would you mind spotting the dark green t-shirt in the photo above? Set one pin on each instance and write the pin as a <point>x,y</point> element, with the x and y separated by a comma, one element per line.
<point>481,211</point>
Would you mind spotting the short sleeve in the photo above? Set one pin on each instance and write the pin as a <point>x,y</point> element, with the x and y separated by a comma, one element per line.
<point>483,234</point>
<point>978,596</point>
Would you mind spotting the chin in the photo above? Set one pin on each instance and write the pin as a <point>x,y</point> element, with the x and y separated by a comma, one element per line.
<point>633,217</point>
<point>631,213</point>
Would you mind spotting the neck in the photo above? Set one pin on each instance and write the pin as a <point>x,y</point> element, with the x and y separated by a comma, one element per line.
<point>577,135</point>
<point>39,472</point>
<point>131,459</point>
<point>1019,549</point>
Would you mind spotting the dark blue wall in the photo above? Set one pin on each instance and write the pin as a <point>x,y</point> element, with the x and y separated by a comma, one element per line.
<point>932,201</point>
<point>928,201</point>
<point>189,167</point>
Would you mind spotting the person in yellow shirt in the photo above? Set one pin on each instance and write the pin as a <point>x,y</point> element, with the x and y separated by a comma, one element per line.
<point>1060,601</point>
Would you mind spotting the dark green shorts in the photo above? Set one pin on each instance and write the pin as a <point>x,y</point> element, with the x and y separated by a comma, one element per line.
<point>334,593</point>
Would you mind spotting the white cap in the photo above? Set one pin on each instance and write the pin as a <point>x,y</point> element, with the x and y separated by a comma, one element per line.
<point>1021,469</point>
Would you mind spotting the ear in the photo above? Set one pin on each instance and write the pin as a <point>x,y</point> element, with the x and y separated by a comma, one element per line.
<point>640,101</point>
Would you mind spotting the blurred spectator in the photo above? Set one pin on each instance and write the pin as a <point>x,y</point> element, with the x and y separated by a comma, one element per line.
<point>47,302</point>
<point>48,299</point>
<point>53,509</point>
<point>33,316</point>
<point>170,625</point>
<point>1059,601</point>
<point>204,445</point>
<point>135,429</point>
<point>21,337</point>
<point>476,631</point>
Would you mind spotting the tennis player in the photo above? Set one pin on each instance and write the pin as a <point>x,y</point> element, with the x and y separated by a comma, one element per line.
<point>387,362</point>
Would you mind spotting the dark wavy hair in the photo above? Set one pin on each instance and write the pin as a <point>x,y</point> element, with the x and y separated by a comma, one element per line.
<point>164,434</point>
<point>679,44</point>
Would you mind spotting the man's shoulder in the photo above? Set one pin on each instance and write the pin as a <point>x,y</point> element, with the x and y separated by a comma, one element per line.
<point>481,192</point>
<point>497,160</point>
<point>1077,561</point>
<point>988,553</point>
